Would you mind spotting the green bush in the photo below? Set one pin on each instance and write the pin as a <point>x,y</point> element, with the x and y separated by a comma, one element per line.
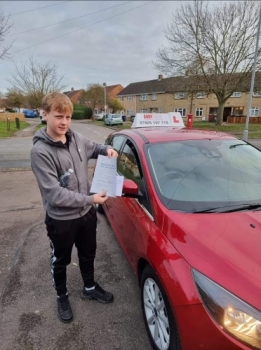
<point>87,111</point>
<point>77,107</point>
<point>78,114</point>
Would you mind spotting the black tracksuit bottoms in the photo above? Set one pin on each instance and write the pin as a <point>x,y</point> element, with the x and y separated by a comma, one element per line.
<point>63,234</point>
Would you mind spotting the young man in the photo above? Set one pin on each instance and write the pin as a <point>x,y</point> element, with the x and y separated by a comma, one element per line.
<point>59,160</point>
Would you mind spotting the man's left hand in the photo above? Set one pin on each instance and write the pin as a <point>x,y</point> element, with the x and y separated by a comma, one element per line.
<point>112,153</point>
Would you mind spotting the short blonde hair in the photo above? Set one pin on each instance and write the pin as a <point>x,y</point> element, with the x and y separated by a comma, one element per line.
<point>57,101</point>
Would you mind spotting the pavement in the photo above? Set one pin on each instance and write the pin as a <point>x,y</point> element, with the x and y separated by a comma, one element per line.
<point>30,130</point>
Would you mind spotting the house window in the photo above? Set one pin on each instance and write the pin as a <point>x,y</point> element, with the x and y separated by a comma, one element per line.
<point>154,97</point>
<point>236,94</point>
<point>201,94</point>
<point>144,97</point>
<point>199,112</point>
<point>254,112</point>
<point>130,98</point>
<point>130,112</point>
<point>257,93</point>
<point>238,111</point>
<point>160,110</point>
<point>95,111</point>
<point>182,111</point>
<point>121,98</point>
<point>143,111</point>
<point>179,95</point>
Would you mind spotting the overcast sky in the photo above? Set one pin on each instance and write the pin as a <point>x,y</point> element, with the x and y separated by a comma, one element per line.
<point>117,45</point>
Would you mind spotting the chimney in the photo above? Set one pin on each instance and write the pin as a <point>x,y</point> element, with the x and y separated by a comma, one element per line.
<point>72,89</point>
<point>160,77</point>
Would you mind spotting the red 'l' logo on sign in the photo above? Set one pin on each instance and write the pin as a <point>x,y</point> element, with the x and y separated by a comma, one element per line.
<point>175,120</point>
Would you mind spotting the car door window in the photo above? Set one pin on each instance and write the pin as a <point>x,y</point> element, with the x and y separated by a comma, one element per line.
<point>115,142</point>
<point>129,164</point>
<point>130,167</point>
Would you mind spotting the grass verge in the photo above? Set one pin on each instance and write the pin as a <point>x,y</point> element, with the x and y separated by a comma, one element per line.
<point>125,125</point>
<point>254,130</point>
<point>8,133</point>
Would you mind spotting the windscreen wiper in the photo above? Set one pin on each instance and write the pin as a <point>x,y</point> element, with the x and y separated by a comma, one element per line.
<point>239,144</point>
<point>238,208</point>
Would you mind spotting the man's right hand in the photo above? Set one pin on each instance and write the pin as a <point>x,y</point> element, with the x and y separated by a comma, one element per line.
<point>99,198</point>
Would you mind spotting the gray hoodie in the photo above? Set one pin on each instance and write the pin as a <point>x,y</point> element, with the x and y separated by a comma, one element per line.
<point>50,159</point>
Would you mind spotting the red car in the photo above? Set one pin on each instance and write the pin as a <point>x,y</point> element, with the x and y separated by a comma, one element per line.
<point>189,222</point>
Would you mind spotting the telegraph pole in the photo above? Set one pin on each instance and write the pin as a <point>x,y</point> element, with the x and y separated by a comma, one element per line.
<point>104,84</point>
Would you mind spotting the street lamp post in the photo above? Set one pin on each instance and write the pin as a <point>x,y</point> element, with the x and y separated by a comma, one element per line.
<point>104,84</point>
<point>245,134</point>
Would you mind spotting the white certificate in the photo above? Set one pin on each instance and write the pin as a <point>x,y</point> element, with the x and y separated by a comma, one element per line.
<point>105,177</point>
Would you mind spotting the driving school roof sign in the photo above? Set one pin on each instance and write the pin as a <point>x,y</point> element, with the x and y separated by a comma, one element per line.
<point>145,120</point>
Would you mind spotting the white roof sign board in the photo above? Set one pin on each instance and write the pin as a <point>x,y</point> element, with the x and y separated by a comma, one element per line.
<point>145,120</point>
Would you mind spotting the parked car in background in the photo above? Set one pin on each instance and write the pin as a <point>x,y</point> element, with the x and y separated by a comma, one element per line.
<point>99,116</point>
<point>43,121</point>
<point>29,113</point>
<point>112,119</point>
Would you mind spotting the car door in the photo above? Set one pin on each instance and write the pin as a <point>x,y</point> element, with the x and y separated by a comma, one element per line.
<point>131,218</point>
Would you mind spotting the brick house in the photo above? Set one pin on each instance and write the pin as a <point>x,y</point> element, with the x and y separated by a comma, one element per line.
<point>164,95</point>
<point>74,95</point>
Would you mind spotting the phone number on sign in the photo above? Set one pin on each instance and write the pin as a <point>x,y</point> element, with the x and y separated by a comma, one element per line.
<point>154,122</point>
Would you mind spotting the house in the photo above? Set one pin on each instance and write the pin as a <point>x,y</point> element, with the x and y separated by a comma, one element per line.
<point>176,94</point>
<point>74,95</point>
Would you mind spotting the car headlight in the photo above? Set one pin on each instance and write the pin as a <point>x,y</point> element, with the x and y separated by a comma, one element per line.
<point>234,316</point>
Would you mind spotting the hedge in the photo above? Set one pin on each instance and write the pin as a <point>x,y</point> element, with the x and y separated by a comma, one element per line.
<point>77,114</point>
<point>87,111</point>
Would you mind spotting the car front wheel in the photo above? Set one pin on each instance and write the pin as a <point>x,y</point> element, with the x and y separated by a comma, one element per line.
<point>159,320</point>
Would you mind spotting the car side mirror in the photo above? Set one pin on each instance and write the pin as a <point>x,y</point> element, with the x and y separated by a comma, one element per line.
<point>130,189</point>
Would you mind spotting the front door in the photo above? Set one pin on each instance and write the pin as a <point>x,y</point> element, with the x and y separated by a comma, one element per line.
<point>226,113</point>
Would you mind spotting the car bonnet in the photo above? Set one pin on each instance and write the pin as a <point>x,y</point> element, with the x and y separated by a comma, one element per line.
<point>226,247</point>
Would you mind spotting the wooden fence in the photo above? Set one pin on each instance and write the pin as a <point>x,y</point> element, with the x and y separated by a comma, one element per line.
<point>242,120</point>
<point>11,116</point>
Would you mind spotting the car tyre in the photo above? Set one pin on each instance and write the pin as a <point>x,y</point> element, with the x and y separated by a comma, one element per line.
<point>158,316</point>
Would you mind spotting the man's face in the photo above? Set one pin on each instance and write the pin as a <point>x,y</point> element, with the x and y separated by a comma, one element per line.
<point>57,124</point>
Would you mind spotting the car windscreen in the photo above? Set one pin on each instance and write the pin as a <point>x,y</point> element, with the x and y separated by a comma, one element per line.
<point>116,116</point>
<point>199,175</point>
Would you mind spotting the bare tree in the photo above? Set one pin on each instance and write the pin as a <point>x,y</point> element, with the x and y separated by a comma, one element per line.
<point>215,44</point>
<point>4,30</point>
<point>36,80</point>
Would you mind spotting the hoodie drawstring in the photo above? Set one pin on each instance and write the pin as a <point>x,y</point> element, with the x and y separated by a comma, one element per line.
<point>78,150</point>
